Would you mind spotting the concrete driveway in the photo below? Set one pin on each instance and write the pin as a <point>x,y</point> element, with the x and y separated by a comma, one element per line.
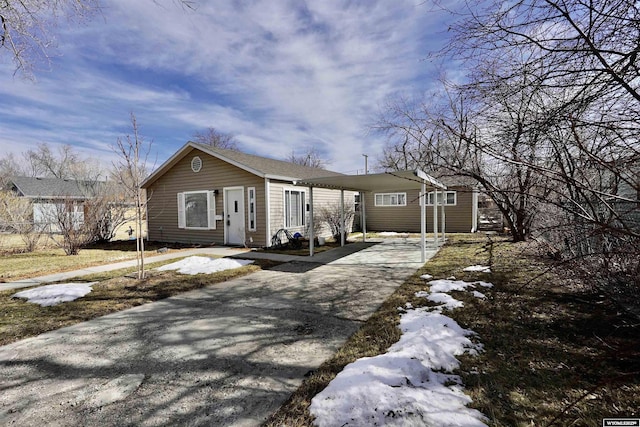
<point>229,354</point>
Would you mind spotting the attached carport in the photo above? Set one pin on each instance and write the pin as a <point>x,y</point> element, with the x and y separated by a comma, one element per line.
<point>380,183</point>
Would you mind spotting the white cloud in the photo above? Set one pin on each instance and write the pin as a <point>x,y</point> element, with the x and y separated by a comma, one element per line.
<point>281,75</point>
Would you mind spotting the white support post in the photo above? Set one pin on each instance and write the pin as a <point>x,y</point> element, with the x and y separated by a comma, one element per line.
<point>423,222</point>
<point>311,225</point>
<point>435,216</point>
<point>342,227</point>
<point>363,217</point>
<point>443,218</point>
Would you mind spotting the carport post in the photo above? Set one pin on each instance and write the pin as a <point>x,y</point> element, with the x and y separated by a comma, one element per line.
<point>423,221</point>
<point>435,216</point>
<point>363,217</point>
<point>443,218</point>
<point>342,227</point>
<point>311,236</point>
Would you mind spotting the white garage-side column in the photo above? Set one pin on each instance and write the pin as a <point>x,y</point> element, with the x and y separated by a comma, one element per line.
<point>443,218</point>
<point>311,236</point>
<point>342,227</point>
<point>435,216</point>
<point>423,221</point>
<point>363,217</point>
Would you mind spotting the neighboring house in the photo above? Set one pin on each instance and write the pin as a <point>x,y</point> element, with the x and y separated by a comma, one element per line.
<point>210,195</point>
<point>48,195</point>
<point>400,211</point>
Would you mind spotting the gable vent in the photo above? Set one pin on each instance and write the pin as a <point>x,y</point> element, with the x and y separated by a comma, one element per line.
<point>196,164</point>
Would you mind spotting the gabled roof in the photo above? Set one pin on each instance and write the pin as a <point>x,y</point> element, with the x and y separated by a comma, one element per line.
<point>263,167</point>
<point>49,188</point>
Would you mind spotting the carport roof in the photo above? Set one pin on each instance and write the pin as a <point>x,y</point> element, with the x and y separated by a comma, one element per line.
<point>387,181</point>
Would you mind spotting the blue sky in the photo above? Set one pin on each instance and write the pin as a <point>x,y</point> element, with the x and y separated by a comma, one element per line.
<point>280,75</point>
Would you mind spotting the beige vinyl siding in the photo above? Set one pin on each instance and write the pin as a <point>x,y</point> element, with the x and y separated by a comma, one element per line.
<point>321,197</point>
<point>276,199</point>
<point>214,175</point>
<point>458,218</point>
<point>324,197</point>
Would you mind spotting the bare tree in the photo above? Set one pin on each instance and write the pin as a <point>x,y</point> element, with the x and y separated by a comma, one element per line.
<point>585,59</point>
<point>332,216</point>
<point>9,167</point>
<point>215,138</point>
<point>580,44</point>
<point>16,215</point>
<point>68,219</point>
<point>63,164</point>
<point>26,30</point>
<point>27,27</point>
<point>130,170</point>
<point>482,136</point>
<point>310,157</point>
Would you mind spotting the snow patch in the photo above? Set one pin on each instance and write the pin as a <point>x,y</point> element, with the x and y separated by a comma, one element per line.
<point>411,384</point>
<point>479,295</point>
<point>478,268</point>
<point>445,301</point>
<point>204,265</point>
<point>49,295</point>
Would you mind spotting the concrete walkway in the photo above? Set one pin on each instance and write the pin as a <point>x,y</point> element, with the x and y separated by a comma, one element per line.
<point>229,354</point>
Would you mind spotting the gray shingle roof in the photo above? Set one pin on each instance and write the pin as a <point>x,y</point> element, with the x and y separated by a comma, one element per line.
<point>49,187</point>
<point>267,166</point>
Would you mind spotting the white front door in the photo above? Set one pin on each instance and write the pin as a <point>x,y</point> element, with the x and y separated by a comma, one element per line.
<point>234,215</point>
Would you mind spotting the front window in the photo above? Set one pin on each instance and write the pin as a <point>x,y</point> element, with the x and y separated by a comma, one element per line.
<point>294,203</point>
<point>196,209</point>
<point>391,199</point>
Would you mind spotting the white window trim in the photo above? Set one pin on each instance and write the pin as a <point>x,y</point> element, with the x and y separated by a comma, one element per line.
<point>303,207</point>
<point>211,210</point>
<point>375,199</point>
<point>430,198</point>
<point>251,202</point>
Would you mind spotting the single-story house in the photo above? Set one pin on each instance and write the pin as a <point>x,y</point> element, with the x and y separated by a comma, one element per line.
<point>203,194</point>
<point>48,195</point>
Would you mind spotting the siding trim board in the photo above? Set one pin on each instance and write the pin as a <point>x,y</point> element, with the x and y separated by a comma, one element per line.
<point>267,213</point>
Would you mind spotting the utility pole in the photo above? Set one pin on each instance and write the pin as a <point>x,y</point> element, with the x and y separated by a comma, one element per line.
<point>366,166</point>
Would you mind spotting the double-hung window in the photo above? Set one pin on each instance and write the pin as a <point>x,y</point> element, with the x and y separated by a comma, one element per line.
<point>391,199</point>
<point>197,210</point>
<point>294,207</point>
<point>449,198</point>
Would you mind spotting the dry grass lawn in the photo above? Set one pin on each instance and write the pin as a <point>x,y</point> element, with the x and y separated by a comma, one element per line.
<point>20,319</point>
<point>556,353</point>
<point>49,259</point>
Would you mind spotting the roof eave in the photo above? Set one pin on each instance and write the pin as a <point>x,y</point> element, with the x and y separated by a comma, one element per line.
<point>428,178</point>
<point>281,178</point>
